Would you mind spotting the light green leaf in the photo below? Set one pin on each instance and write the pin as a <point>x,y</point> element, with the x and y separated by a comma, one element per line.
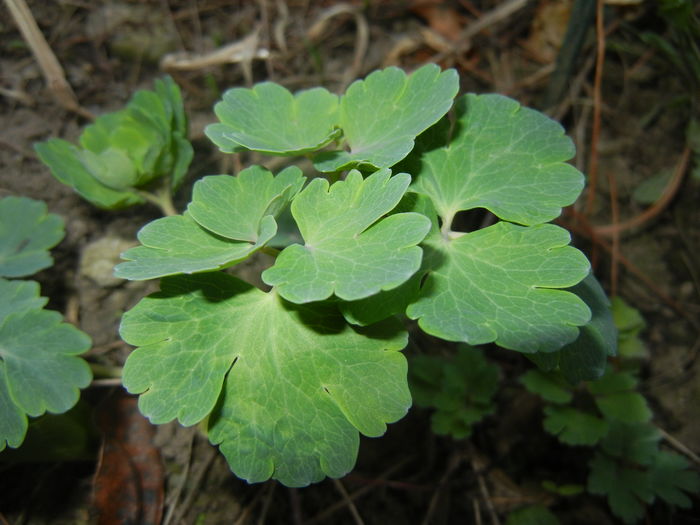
<point>499,284</point>
<point>228,219</point>
<point>348,250</point>
<point>381,115</point>
<point>39,367</point>
<point>178,244</point>
<point>549,386</point>
<point>384,304</point>
<point>585,359</point>
<point>63,159</point>
<point>671,479</point>
<point>381,305</point>
<point>298,382</point>
<point>626,488</point>
<point>651,189</point>
<point>269,119</point>
<point>234,206</point>
<point>125,149</point>
<point>27,231</point>
<point>502,157</point>
<point>574,427</point>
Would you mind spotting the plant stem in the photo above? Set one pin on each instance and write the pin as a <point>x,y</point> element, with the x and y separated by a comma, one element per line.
<point>272,252</point>
<point>161,198</point>
<point>99,370</point>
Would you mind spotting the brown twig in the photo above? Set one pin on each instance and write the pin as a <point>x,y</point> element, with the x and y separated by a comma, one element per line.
<point>348,502</point>
<point>580,226</point>
<point>615,243</point>
<point>452,465</point>
<point>678,445</point>
<point>655,209</point>
<point>322,516</point>
<point>48,63</point>
<point>597,107</point>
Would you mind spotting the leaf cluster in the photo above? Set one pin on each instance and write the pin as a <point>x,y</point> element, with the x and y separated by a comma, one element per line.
<point>126,151</point>
<point>628,466</point>
<point>459,388</point>
<point>287,377</point>
<point>39,368</point>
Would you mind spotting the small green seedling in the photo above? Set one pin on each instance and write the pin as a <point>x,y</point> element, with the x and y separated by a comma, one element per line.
<point>127,157</point>
<point>628,467</point>
<point>460,389</point>
<point>287,376</point>
<point>39,368</point>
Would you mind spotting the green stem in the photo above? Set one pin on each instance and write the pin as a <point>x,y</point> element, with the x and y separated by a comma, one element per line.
<point>160,198</point>
<point>272,252</point>
<point>99,370</point>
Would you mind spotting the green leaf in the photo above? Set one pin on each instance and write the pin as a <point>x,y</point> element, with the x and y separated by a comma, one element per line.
<point>228,219</point>
<point>269,119</point>
<point>384,304</point>
<point>574,427</point>
<point>126,149</point>
<point>348,250</point>
<point>635,442</point>
<point>671,479</point>
<point>616,399</point>
<point>626,489</point>
<point>27,231</point>
<point>460,389</point>
<point>292,385</point>
<point>502,157</point>
<point>549,386</point>
<point>630,323</point>
<point>39,370</point>
<point>585,359</point>
<point>233,207</point>
<point>499,284</point>
<point>63,159</point>
<point>19,296</point>
<point>13,421</point>
<point>381,115</point>
<point>630,407</point>
<point>178,244</point>
<point>532,515</point>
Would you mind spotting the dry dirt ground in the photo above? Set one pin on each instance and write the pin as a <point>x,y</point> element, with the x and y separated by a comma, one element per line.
<point>110,48</point>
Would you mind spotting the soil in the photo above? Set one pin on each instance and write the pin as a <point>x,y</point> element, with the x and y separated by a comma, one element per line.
<point>109,49</point>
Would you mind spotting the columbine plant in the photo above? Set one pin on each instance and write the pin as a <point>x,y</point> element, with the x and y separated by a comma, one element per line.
<point>287,377</point>
<point>40,369</point>
<point>127,157</point>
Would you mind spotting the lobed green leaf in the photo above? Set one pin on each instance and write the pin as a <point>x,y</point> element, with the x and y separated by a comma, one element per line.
<point>574,427</point>
<point>381,116</point>
<point>348,250</point>
<point>286,387</point>
<point>39,367</point>
<point>500,156</point>
<point>585,359</point>
<point>228,219</point>
<point>269,119</point>
<point>499,284</point>
<point>626,489</point>
<point>671,478</point>
<point>27,232</point>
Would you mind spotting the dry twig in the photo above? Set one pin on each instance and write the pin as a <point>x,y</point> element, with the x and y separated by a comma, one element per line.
<point>48,63</point>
